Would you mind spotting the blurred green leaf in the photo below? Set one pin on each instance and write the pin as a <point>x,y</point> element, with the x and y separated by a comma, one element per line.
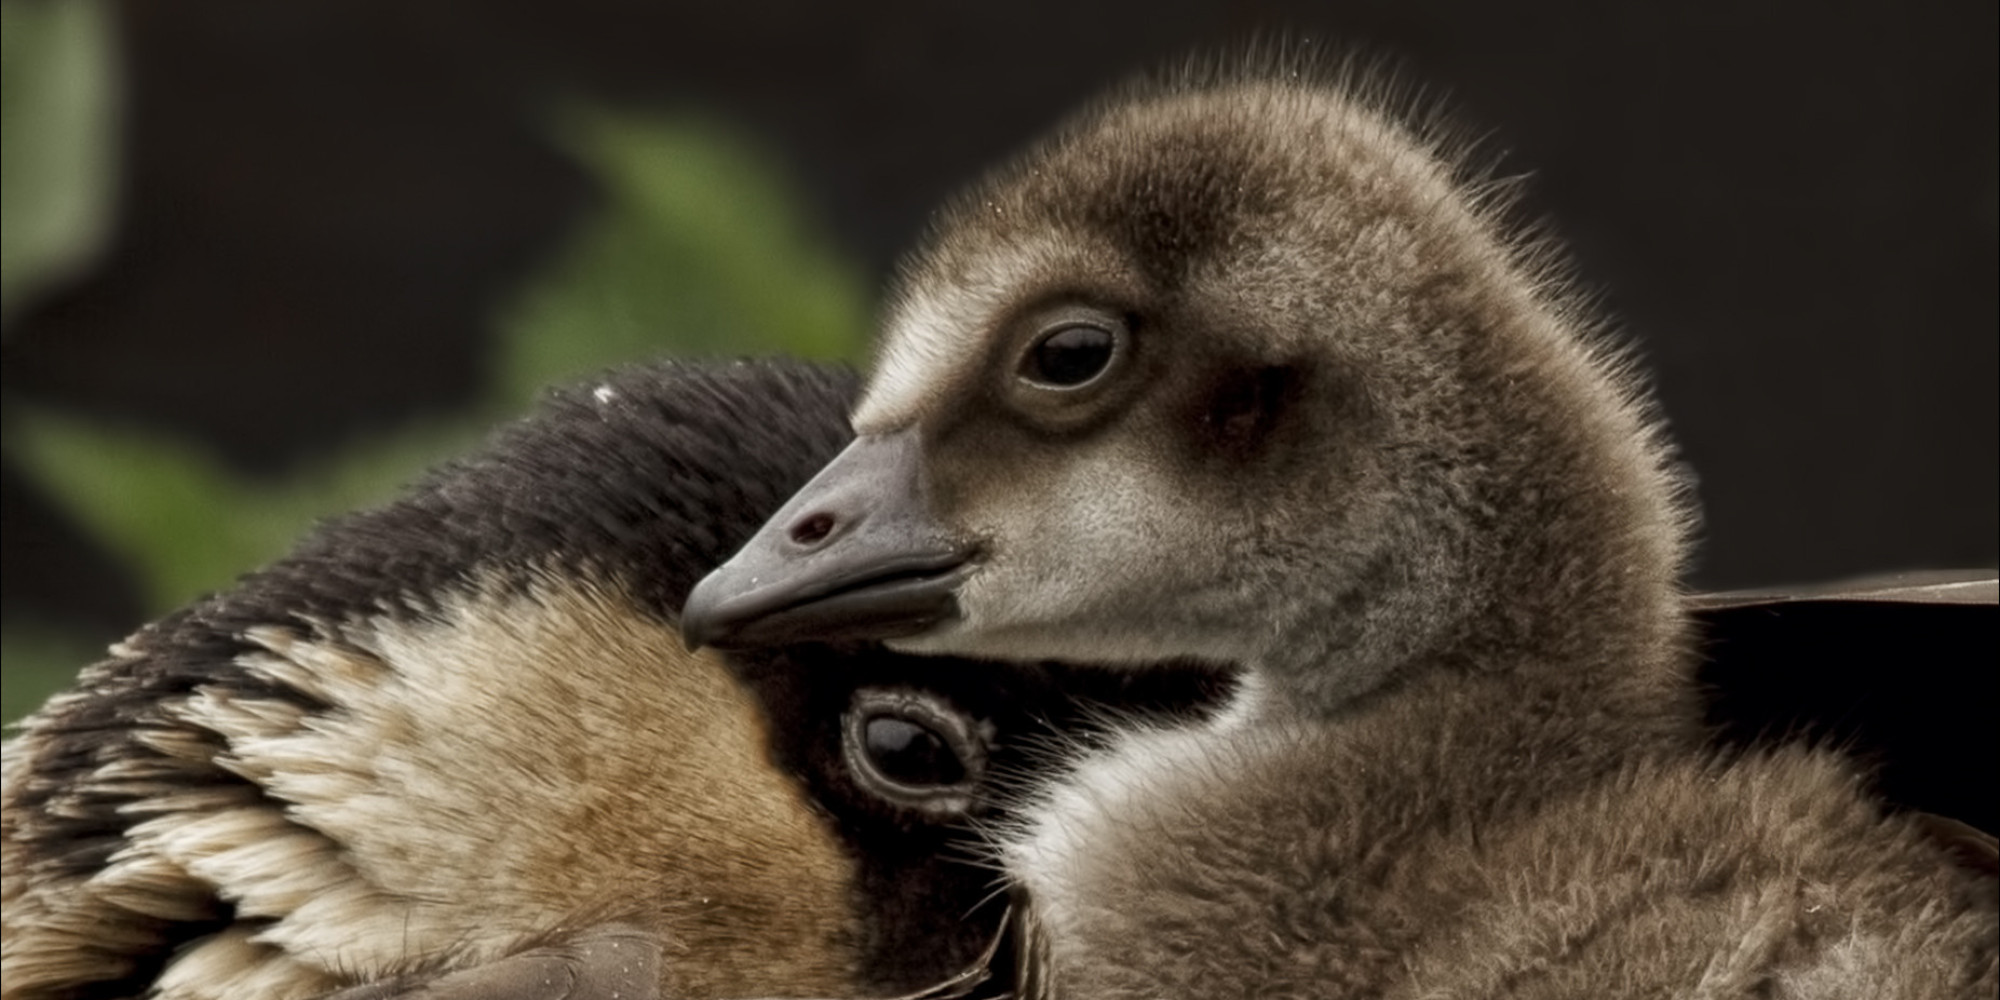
<point>184,522</point>
<point>58,138</point>
<point>38,661</point>
<point>163,505</point>
<point>699,248</point>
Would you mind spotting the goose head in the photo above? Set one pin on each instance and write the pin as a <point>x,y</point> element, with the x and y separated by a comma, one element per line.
<point>1243,371</point>
<point>462,723</point>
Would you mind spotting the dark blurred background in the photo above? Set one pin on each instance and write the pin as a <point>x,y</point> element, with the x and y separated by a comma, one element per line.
<point>264,260</point>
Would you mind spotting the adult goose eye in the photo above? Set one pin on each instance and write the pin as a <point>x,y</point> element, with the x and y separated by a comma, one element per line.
<point>1069,356</point>
<point>915,750</point>
<point>908,752</point>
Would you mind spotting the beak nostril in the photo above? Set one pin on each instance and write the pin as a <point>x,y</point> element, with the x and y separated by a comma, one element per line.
<point>812,529</point>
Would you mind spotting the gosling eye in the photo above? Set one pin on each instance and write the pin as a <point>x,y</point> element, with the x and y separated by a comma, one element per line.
<point>915,750</point>
<point>1070,356</point>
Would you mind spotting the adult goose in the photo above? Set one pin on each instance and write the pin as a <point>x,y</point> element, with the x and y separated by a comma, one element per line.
<point>456,742</point>
<point>1242,368</point>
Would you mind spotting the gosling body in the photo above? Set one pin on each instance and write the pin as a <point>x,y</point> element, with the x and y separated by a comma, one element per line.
<point>1239,367</point>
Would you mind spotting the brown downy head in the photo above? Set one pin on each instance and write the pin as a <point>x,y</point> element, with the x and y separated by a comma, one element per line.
<point>1236,368</point>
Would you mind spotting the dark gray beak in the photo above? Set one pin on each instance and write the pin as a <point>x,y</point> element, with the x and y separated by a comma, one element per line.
<point>855,554</point>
